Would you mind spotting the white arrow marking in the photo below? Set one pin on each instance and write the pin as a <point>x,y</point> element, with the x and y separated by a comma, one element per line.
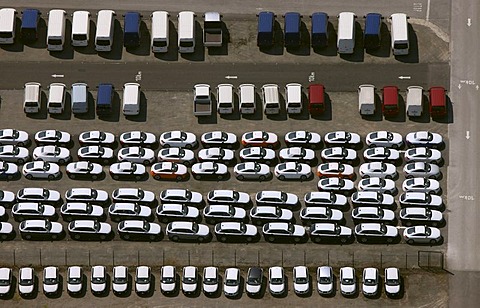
<point>58,76</point>
<point>404,77</point>
<point>467,135</point>
<point>459,86</point>
<point>231,77</point>
<point>469,22</point>
<point>476,87</point>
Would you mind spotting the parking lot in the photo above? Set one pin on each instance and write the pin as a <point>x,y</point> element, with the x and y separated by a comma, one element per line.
<point>172,110</point>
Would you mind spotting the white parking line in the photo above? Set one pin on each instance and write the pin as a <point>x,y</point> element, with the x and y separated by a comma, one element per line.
<point>428,10</point>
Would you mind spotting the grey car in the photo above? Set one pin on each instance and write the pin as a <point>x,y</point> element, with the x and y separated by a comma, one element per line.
<point>186,230</point>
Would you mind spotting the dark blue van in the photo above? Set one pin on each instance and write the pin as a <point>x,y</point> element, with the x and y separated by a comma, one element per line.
<point>319,34</point>
<point>29,28</point>
<point>104,99</point>
<point>372,37</point>
<point>265,36</point>
<point>293,38</point>
<point>131,33</point>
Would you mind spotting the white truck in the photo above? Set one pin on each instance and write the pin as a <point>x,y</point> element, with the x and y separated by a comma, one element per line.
<point>212,29</point>
<point>202,100</point>
<point>366,99</point>
<point>414,101</point>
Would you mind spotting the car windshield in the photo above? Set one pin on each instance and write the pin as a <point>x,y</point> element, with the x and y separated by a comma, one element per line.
<point>26,282</point>
<point>370,282</point>
<point>120,280</point>
<point>74,280</point>
<point>254,280</point>
<point>98,280</point>
<point>301,280</point>
<point>347,281</point>
<point>189,280</point>
<point>276,280</point>
<point>392,282</point>
<point>4,283</point>
<point>168,280</point>
<point>325,280</point>
<point>50,281</point>
<point>142,280</point>
<point>231,282</point>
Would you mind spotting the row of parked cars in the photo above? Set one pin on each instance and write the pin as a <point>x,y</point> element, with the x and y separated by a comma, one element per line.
<point>210,282</point>
<point>293,36</point>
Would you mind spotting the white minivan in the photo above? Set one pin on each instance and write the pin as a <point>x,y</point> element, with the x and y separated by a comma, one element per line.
<point>186,32</point>
<point>414,101</point>
<point>160,31</point>
<point>80,28</point>
<point>7,25</point>
<point>56,30</point>
<point>246,93</point>
<point>293,96</point>
<point>225,98</point>
<point>400,42</point>
<point>56,98</point>
<point>346,33</point>
<point>270,97</point>
<point>32,98</point>
<point>105,30</point>
<point>131,99</point>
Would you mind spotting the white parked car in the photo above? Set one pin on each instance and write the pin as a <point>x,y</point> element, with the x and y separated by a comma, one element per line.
<point>293,171</point>
<point>34,194</point>
<point>127,210</point>
<point>177,155</point>
<point>420,215</point>
<point>120,279</point>
<point>14,154</point>
<point>273,231</point>
<point>301,280</point>
<point>8,171</point>
<point>420,199</point>
<point>324,198</point>
<point>342,138</point>
<point>325,280</point>
<point>380,231</point>
<point>235,231</point>
<point>385,139</point>
<point>423,154</point>
<point>14,137</point>
<point>228,196</point>
<point>178,139</point>
<point>31,210</point>
<point>26,281</point>
<point>223,212</point>
<point>348,281</point>
<point>276,280</point>
<point>212,170</point>
<point>252,171</point>
<point>84,169</point>
<point>96,137</point>
<point>184,196</point>
<point>96,153</point>
<point>297,154</point>
<point>338,154</point>
<point>92,195</point>
<point>5,281</point>
<point>226,156</point>
<point>51,280</point>
<point>314,214</point>
<point>421,169</point>
<point>189,280</point>
<point>328,231</point>
<point>137,155</point>
<point>168,279</point>
<point>424,139</point>
<point>393,282</point>
<point>372,214</point>
<point>257,154</point>
<point>378,169</point>
<point>136,195</point>
<point>89,228</point>
<point>139,230</point>
<point>81,210</point>
<point>231,284</point>
<point>370,281</point>
<point>377,184</point>
<point>277,198</point>
<point>211,280</point>
<point>52,136</point>
<point>219,139</point>
<point>52,153</point>
<point>336,185</point>
<point>143,279</point>
<point>263,214</point>
<point>174,212</point>
<point>127,170</point>
<point>41,170</point>
<point>303,138</point>
<point>381,154</point>
<point>98,279</point>
<point>138,138</point>
<point>422,235</point>
<point>372,198</point>
<point>421,185</point>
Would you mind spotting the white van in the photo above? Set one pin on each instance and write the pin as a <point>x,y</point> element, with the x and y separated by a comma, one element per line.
<point>80,28</point>
<point>7,25</point>
<point>246,94</point>
<point>293,96</point>
<point>346,33</point>
<point>105,30</point>
<point>400,43</point>
<point>186,32</point>
<point>32,98</point>
<point>56,30</point>
<point>56,98</point>
<point>366,99</point>
<point>131,99</point>
<point>225,98</point>
<point>79,98</point>
<point>414,101</point>
<point>160,28</point>
<point>270,97</point>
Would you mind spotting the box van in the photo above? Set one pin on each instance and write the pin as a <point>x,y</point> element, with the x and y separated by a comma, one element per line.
<point>225,98</point>
<point>29,28</point>
<point>346,33</point>
<point>131,99</point>
<point>400,43</point>
<point>56,30</point>
<point>7,25</point>
<point>56,98</point>
<point>186,32</point>
<point>292,37</point>
<point>372,36</point>
<point>32,97</point>
<point>390,101</point>
<point>270,97</point>
<point>131,34</point>
<point>319,34</point>
<point>366,99</point>
<point>79,98</point>
<point>80,28</point>
<point>160,31</point>
<point>246,93</point>
<point>438,102</point>
<point>414,101</point>
<point>104,99</point>
<point>293,96</point>
<point>105,30</point>
<point>316,97</point>
<point>266,35</point>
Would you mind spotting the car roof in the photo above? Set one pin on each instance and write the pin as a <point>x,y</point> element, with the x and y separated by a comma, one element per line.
<point>255,272</point>
<point>120,271</point>
<point>189,271</point>
<point>181,225</point>
<point>392,272</point>
<point>168,270</point>
<point>133,223</point>
<point>231,273</point>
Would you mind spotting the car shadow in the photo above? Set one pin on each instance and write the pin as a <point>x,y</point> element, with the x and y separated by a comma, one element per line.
<point>117,46</point>
<point>199,52</point>
<point>413,52</point>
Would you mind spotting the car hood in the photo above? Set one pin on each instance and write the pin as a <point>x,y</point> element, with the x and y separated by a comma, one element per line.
<point>251,230</point>
<point>240,213</point>
<point>300,287</point>
<point>96,210</point>
<point>370,289</point>
<point>74,287</point>
<point>105,228</point>
<point>56,227</point>
<point>392,289</point>
<point>291,198</point>
<point>186,287</point>
<point>119,287</point>
<point>148,196</point>
<point>154,229</point>
<point>12,168</point>
<point>145,211</point>
<point>336,215</point>
<point>388,215</point>
<point>264,169</point>
<point>26,289</point>
<point>391,231</point>
<point>325,287</point>
<point>22,153</point>
<point>272,138</point>
<point>6,228</point>
<point>97,169</point>
<point>348,288</point>
<point>192,212</point>
<point>315,138</point>
<point>253,289</point>
<point>436,215</point>
<point>231,289</point>
<point>277,288</point>
<point>142,287</point>
<point>196,197</point>
<point>9,196</point>
<point>298,230</point>
<point>167,287</point>
<point>50,288</point>
<point>203,230</point>
<point>48,210</point>
<point>345,231</point>
<point>222,169</point>
<point>5,289</point>
<point>388,199</point>
<point>436,200</point>
<point>243,197</point>
<point>435,233</point>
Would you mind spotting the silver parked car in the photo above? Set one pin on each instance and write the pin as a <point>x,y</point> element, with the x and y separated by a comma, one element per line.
<point>421,169</point>
<point>422,235</point>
